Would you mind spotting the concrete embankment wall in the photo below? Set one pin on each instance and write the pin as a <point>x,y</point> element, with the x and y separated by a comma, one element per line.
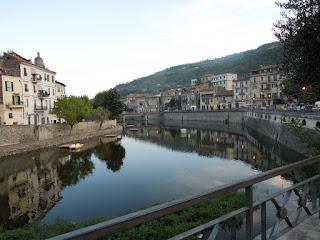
<point>29,133</point>
<point>274,126</point>
<point>216,116</point>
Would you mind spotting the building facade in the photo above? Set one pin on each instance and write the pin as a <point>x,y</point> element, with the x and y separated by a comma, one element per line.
<point>224,80</point>
<point>266,86</point>
<point>38,87</point>
<point>241,92</point>
<point>11,100</point>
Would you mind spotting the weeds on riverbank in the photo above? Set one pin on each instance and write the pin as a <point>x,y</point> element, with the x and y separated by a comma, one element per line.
<point>162,228</point>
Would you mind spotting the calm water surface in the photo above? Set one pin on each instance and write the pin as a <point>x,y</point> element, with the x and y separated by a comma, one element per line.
<point>154,164</point>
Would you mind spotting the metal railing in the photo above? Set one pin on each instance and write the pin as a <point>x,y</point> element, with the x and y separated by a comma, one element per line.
<point>125,222</point>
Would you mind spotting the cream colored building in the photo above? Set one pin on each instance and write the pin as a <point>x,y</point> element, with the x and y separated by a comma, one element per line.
<point>60,90</point>
<point>207,99</point>
<point>266,86</point>
<point>223,99</point>
<point>38,87</point>
<point>224,80</point>
<point>11,100</point>
<point>241,92</point>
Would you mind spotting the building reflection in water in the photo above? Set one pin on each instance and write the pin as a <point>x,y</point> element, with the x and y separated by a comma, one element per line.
<point>217,143</point>
<point>30,183</point>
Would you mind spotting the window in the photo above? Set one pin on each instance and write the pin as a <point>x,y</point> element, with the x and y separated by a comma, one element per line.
<point>10,115</point>
<point>34,89</point>
<point>52,78</point>
<point>27,102</point>
<point>26,89</point>
<point>9,86</point>
<point>25,73</point>
<point>16,100</point>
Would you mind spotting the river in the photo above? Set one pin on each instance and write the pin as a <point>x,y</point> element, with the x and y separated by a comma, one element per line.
<point>148,165</point>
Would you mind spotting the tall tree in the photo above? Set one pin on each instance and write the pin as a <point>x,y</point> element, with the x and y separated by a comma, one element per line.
<point>73,109</point>
<point>299,32</point>
<point>110,100</point>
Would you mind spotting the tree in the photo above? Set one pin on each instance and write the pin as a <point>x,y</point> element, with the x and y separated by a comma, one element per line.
<point>110,100</point>
<point>72,109</point>
<point>101,114</point>
<point>299,33</point>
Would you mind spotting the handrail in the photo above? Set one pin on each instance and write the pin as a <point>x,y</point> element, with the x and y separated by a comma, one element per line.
<point>130,220</point>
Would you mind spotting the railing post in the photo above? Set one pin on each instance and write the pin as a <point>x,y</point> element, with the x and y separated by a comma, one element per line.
<point>263,221</point>
<point>249,213</point>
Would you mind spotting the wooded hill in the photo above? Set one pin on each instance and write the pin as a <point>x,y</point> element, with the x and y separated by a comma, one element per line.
<point>180,76</point>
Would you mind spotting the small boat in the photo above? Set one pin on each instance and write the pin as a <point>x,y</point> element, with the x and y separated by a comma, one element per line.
<point>129,125</point>
<point>119,137</point>
<point>74,146</point>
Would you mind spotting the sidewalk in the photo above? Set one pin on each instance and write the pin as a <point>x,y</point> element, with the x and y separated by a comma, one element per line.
<point>307,230</point>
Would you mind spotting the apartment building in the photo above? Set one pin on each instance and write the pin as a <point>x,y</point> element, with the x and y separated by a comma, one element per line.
<point>205,78</point>
<point>241,92</point>
<point>223,99</point>
<point>11,101</point>
<point>224,80</point>
<point>189,99</point>
<point>266,86</point>
<point>60,89</point>
<point>207,99</point>
<point>38,87</point>
<point>143,102</point>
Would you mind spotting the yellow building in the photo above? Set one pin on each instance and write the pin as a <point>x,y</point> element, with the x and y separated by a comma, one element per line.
<point>266,86</point>
<point>11,102</point>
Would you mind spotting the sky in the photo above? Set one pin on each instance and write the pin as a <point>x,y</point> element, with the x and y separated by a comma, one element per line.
<point>93,45</point>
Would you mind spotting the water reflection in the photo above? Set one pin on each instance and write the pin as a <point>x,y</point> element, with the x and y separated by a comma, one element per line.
<point>31,183</point>
<point>229,145</point>
<point>152,164</point>
<point>112,153</point>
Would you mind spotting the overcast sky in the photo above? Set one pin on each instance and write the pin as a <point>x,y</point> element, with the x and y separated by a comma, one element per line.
<point>93,45</point>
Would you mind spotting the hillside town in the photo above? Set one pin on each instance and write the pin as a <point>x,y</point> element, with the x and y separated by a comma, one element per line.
<point>28,91</point>
<point>261,88</point>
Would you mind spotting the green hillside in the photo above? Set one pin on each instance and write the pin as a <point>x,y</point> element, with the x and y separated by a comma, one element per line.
<point>180,76</point>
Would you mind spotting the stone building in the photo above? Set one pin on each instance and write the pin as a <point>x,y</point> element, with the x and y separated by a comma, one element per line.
<point>60,89</point>
<point>207,99</point>
<point>224,80</point>
<point>241,92</point>
<point>223,99</point>
<point>38,87</point>
<point>143,102</point>
<point>266,86</point>
<point>11,100</point>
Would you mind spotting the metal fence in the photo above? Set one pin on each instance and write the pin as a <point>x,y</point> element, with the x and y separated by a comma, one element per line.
<point>301,189</point>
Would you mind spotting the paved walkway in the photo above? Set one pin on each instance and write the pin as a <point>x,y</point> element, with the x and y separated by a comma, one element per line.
<point>307,230</point>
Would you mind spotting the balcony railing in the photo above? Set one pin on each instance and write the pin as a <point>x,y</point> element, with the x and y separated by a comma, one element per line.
<point>301,189</point>
<point>43,94</point>
<point>40,108</point>
<point>15,105</point>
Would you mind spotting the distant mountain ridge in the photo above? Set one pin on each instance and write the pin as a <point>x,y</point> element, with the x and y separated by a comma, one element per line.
<point>180,75</point>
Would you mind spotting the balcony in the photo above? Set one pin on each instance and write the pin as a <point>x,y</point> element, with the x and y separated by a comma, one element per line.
<point>43,94</point>
<point>35,78</point>
<point>15,105</point>
<point>40,108</point>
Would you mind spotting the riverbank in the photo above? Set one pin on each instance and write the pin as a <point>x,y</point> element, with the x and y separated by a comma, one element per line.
<point>26,146</point>
<point>275,125</point>
<point>163,228</point>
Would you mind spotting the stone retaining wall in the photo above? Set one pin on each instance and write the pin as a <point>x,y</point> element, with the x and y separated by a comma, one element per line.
<point>35,145</point>
<point>29,133</point>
